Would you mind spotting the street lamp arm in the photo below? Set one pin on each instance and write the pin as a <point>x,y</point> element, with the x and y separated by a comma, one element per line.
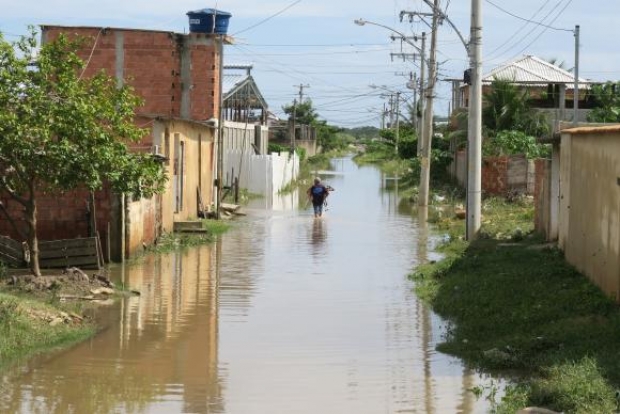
<point>362,22</point>
<point>446,18</point>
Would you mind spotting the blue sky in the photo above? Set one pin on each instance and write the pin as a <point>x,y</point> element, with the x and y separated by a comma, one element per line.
<point>316,43</point>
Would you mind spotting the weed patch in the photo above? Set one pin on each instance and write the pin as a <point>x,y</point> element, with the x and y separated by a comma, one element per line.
<point>519,308</point>
<point>29,327</point>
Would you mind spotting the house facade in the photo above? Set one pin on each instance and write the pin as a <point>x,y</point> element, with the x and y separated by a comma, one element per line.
<point>551,88</point>
<point>178,78</point>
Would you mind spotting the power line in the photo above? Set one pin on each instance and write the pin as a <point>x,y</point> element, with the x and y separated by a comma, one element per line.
<point>315,45</point>
<point>528,20</point>
<point>353,52</point>
<point>545,29</point>
<point>515,34</point>
<point>268,18</point>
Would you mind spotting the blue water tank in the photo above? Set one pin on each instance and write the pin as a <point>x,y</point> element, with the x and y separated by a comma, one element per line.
<point>208,21</point>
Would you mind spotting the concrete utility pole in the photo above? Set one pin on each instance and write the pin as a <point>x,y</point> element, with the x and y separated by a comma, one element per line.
<point>397,135</point>
<point>294,124</point>
<point>425,153</point>
<point>383,115</point>
<point>576,87</point>
<point>220,130</point>
<point>422,79</point>
<point>301,87</point>
<point>474,133</point>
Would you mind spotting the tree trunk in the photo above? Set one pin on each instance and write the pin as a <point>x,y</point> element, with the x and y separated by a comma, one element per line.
<point>31,219</point>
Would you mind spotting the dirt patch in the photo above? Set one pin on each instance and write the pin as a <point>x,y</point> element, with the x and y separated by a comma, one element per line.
<point>72,284</point>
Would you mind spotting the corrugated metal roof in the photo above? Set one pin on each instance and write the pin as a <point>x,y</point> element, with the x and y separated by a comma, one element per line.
<point>530,69</point>
<point>230,80</point>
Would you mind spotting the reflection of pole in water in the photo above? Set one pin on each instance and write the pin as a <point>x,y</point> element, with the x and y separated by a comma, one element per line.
<point>467,397</point>
<point>422,245</point>
<point>427,327</point>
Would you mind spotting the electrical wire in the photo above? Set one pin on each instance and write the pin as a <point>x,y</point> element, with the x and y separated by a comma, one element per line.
<point>8,34</point>
<point>545,28</point>
<point>315,45</point>
<point>268,18</point>
<point>91,54</point>
<point>515,34</point>
<point>527,20</point>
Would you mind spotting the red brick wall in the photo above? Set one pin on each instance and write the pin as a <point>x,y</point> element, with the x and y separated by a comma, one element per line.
<point>152,66</point>
<point>152,63</point>
<point>205,80</point>
<point>60,216</point>
<point>495,175</point>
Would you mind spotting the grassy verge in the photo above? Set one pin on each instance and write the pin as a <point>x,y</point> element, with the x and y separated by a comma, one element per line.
<point>172,241</point>
<point>29,327</point>
<point>515,307</point>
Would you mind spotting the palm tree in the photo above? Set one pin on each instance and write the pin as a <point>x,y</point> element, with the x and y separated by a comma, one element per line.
<point>507,107</point>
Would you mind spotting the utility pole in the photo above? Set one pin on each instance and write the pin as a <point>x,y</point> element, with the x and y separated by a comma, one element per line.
<point>474,134</point>
<point>294,122</point>
<point>383,115</point>
<point>301,87</point>
<point>220,131</point>
<point>396,137</point>
<point>425,155</point>
<point>422,49</point>
<point>422,106</point>
<point>576,87</point>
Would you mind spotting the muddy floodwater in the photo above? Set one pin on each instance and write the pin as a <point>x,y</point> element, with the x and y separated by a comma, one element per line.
<point>285,314</point>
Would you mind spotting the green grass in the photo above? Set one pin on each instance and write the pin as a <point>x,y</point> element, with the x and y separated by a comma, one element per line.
<point>516,308</point>
<point>25,332</point>
<point>179,240</point>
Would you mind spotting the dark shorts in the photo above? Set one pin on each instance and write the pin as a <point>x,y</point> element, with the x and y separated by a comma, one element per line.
<point>318,208</point>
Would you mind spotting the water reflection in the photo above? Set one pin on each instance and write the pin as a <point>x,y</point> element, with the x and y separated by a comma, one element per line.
<point>319,235</point>
<point>160,348</point>
<point>285,314</point>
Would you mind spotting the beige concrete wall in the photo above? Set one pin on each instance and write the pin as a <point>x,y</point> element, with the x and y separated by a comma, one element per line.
<point>589,231</point>
<point>140,229</point>
<point>197,168</point>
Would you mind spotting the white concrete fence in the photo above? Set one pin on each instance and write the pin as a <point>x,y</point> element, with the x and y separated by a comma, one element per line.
<point>260,174</point>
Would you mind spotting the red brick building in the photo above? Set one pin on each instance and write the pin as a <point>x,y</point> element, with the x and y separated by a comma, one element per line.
<point>178,77</point>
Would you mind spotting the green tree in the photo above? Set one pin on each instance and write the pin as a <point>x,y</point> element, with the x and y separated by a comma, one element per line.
<point>304,112</point>
<point>61,131</point>
<point>607,99</point>
<point>507,107</point>
<point>327,135</point>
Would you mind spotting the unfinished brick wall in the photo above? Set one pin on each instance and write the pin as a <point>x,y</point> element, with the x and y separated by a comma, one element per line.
<point>59,216</point>
<point>495,175</point>
<point>152,62</point>
<point>205,77</point>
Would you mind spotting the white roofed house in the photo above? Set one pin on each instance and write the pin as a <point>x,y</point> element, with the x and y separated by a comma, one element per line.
<point>551,88</point>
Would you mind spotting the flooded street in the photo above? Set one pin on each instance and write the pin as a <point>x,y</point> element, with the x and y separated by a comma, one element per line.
<point>285,314</point>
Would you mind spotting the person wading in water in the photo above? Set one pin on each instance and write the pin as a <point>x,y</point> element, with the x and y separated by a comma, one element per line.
<point>318,193</point>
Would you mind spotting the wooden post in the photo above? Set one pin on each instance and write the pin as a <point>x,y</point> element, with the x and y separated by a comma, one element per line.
<point>108,248</point>
<point>236,190</point>
<point>93,215</point>
<point>100,262</point>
